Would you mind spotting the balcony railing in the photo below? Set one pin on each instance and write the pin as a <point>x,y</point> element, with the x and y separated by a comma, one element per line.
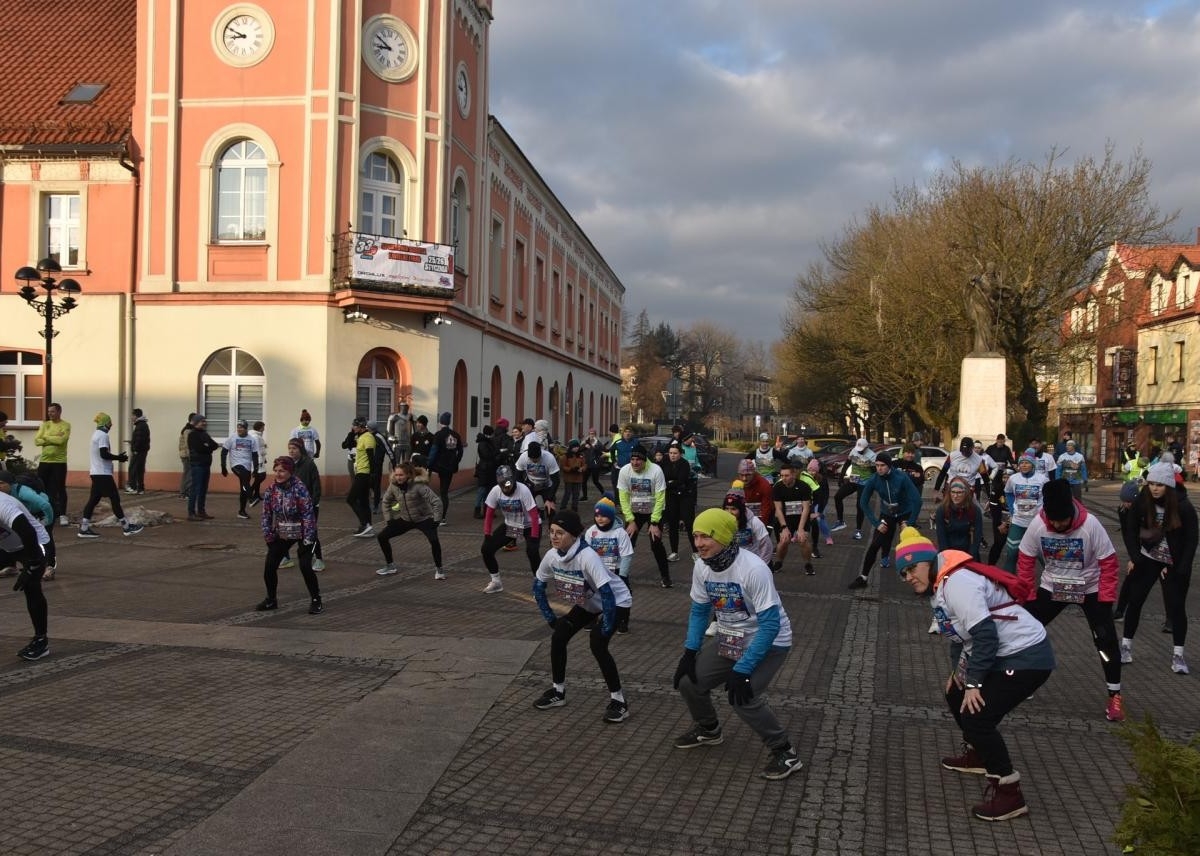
<point>393,265</point>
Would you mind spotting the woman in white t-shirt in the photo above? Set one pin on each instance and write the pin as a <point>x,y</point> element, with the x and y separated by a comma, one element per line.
<point>1001,655</point>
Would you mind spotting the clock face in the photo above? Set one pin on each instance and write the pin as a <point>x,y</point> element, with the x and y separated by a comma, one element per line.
<point>389,48</point>
<point>462,91</point>
<point>244,36</point>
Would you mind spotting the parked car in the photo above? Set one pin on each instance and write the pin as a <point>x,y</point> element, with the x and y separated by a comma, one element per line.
<point>706,452</point>
<point>932,458</point>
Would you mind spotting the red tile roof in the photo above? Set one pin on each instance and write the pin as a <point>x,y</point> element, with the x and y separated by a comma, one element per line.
<point>1161,256</point>
<point>48,47</point>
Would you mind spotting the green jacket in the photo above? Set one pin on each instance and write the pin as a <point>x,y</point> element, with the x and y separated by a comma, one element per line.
<point>53,438</point>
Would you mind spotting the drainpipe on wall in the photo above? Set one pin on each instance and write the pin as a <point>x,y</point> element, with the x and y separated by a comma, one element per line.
<point>129,375</point>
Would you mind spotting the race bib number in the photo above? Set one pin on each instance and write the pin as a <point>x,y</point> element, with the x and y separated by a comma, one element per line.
<point>1067,589</point>
<point>569,587</point>
<point>793,508</point>
<point>731,643</point>
<point>288,530</point>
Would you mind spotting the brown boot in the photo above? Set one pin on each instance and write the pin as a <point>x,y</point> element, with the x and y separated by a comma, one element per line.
<point>1002,800</point>
<point>967,761</point>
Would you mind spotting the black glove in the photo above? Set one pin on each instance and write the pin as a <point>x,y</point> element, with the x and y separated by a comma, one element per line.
<point>740,691</point>
<point>123,457</point>
<point>686,668</point>
<point>28,573</point>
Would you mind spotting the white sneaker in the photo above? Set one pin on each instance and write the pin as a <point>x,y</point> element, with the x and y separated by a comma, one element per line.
<point>674,557</point>
<point>8,571</point>
<point>712,629</point>
<point>1179,665</point>
<point>366,532</point>
<point>858,535</point>
<point>318,564</point>
<point>131,490</point>
<point>64,520</point>
<point>1126,651</point>
<point>494,586</point>
<point>386,570</point>
<point>439,574</point>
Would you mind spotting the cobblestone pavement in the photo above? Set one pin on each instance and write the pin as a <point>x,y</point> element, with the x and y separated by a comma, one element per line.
<point>172,718</point>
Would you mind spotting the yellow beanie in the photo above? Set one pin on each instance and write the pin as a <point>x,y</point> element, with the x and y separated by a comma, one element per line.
<point>717,524</point>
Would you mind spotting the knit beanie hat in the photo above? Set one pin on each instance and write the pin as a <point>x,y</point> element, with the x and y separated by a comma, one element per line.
<point>1057,501</point>
<point>568,521</point>
<point>502,423</point>
<point>444,419</point>
<point>286,462</point>
<point>605,507</point>
<point>1029,456</point>
<point>745,467</point>
<point>717,524</point>
<point>541,425</point>
<point>1129,491</point>
<point>913,547</point>
<point>735,498</point>
<point>1161,473</point>
<point>102,420</point>
<point>814,466</point>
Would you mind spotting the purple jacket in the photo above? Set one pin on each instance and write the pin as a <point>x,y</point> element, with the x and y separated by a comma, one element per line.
<point>288,503</point>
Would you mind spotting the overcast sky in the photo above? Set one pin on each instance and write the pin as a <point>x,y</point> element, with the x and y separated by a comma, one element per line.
<point>709,147</point>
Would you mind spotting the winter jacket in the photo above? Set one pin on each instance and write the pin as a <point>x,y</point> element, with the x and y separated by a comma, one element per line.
<point>678,474</point>
<point>1181,541</point>
<point>285,504</point>
<point>446,451</point>
<point>898,496</point>
<point>960,528</point>
<point>574,468</point>
<point>140,439</point>
<point>485,460</point>
<point>414,502</point>
<point>310,477</point>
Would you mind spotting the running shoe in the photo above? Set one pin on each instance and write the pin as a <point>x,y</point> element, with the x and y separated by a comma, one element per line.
<point>617,711</point>
<point>254,500</point>
<point>857,534</point>
<point>837,527</point>
<point>858,582</point>
<point>1115,712</point>
<point>38,647</point>
<point>1179,665</point>
<point>698,735</point>
<point>387,570</point>
<point>809,570</point>
<point>288,562</point>
<point>783,763</point>
<point>243,515</point>
<point>132,529</point>
<point>316,607</point>
<point>1126,651</point>
<point>87,533</point>
<point>439,574</point>
<point>494,586</point>
<point>318,564</point>
<point>885,562</point>
<point>366,532</point>
<point>550,698</point>
<point>267,605</point>
<point>828,542</point>
<point>674,557</point>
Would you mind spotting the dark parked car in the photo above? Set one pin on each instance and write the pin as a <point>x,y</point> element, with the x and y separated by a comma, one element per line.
<point>706,452</point>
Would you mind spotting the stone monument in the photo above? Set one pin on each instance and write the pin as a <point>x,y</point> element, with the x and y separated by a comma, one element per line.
<point>982,391</point>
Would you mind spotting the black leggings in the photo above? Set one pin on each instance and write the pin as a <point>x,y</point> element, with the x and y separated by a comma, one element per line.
<point>848,487</point>
<point>35,598</point>
<point>1002,691</point>
<point>680,509</point>
<point>103,487</point>
<point>397,527</point>
<point>656,545</point>
<point>358,498</point>
<point>499,537</point>
<point>1100,620</point>
<point>1137,587</point>
<point>881,542</point>
<point>570,624</point>
<point>594,474</point>
<point>243,477</point>
<point>54,477</point>
<point>444,480</point>
<point>276,550</point>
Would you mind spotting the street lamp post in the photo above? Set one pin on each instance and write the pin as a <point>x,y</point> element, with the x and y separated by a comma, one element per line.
<point>43,277</point>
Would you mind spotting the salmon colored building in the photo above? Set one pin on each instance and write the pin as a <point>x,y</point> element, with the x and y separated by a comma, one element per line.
<point>285,205</point>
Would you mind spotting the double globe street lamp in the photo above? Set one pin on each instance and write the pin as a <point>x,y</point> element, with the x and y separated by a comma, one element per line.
<point>43,277</point>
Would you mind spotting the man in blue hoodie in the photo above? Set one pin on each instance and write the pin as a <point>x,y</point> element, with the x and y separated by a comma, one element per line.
<point>899,503</point>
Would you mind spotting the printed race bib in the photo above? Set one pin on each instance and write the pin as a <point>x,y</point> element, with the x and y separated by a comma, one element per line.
<point>288,530</point>
<point>1067,589</point>
<point>569,587</point>
<point>793,508</point>
<point>731,643</point>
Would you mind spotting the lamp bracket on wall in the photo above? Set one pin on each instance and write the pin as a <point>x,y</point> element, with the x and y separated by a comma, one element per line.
<point>436,319</point>
<point>354,313</point>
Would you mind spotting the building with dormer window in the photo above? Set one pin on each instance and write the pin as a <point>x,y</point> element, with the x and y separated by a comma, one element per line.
<point>273,206</point>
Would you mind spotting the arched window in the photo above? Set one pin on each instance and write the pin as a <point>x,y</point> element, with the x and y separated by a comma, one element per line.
<point>21,386</point>
<point>232,387</point>
<point>382,195</point>
<point>458,224</point>
<point>241,194</point>
<point>376,388</point>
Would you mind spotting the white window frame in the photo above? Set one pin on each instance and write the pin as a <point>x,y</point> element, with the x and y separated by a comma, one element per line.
<point>242,165</point>
<point>21,371</point>
<point>48,223</point>
<point>236,384</point>
<point>376,410</point>
<point>381,190</point>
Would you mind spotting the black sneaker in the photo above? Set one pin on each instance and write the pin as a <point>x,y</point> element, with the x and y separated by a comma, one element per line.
<point>254,500</point>
<point>809,570</point>
<point>666,584</point>
<point>267,605</point>
<point>550,698</point>
<point>87,533</point>
<point>857,583</point>
<point>243,515</point>
<point>816,554</point>
<point>38,647</point>
<point>698,735</point>
<point>783,763</point>
<point>316,607</point>
<point>617,711</point>
<point>1119,614</point>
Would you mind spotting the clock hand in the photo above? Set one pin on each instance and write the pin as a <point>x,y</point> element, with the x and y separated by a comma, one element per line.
<point>380,44</point>
<point>237,35</point>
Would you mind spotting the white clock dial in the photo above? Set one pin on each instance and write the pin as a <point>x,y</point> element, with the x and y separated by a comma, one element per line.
<point>244,36</point>
<point>462,91</point>
<point>389,48</point>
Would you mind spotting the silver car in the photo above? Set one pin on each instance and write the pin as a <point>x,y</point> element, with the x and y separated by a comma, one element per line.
<point>932,458</point>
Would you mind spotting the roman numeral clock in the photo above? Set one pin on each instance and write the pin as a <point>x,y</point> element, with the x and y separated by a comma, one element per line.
<point>389,48</point>
<point>243,35</point>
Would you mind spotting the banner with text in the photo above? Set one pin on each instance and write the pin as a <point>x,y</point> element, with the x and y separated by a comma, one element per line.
<point>381,259</point>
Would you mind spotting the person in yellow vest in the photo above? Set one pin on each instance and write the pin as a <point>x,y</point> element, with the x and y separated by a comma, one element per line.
<point>53,436</point>
<point>1135,463</point>
<point>360,488</point>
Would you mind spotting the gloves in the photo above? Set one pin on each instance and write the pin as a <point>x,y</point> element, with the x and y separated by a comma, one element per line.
<point>686,668</point>
<point>740,691</point>
<point>28,573</point>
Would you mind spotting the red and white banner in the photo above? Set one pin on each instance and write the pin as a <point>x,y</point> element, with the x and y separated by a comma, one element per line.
<point>381,259</point>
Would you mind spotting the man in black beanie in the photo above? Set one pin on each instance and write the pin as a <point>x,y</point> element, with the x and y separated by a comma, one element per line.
<point>1080,567</point>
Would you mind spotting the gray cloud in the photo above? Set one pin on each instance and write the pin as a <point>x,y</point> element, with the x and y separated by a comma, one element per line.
<point>708,148</point>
